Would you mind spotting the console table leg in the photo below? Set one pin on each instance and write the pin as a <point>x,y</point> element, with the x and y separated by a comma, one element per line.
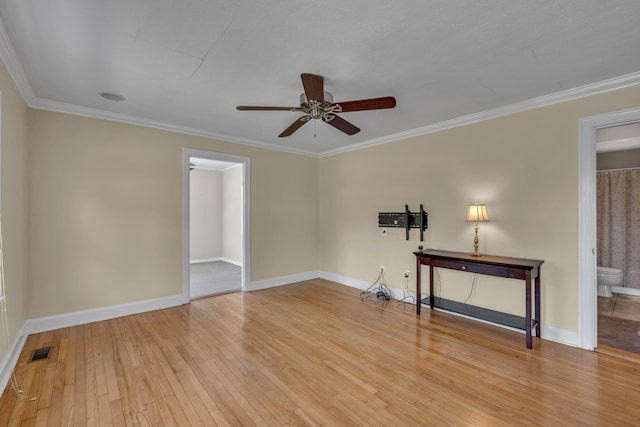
<point>431,297</point>
<point>537,304</point>
<point>418,286</point>
<point>528,324</point>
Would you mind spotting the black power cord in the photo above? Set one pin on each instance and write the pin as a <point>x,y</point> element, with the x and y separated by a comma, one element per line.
<point>375,291</point>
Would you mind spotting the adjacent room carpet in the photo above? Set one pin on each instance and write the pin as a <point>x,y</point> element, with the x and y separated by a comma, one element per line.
<point>212,278</point>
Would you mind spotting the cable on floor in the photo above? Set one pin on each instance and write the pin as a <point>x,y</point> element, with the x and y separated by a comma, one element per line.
<point>406,295</point>
<point>375,291</point>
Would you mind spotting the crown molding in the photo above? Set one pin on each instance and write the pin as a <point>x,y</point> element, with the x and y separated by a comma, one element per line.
<point>530,104</point>
<point>10,61</point>
<point>42,104</point>
<point>518,107</point>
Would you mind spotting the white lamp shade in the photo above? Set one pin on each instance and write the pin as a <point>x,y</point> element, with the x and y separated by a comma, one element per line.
<point>477,213</point>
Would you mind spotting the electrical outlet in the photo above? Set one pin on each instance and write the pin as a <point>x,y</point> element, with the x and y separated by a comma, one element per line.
<point>381,268</point>
<point>406,273</point>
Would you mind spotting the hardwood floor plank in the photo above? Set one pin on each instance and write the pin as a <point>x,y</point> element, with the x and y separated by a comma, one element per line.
<point>313,353</point>
<point>42,419</point>
<point>190,404</point>
<point>92,413</point>
<point>119,416</point>
<point>103,402</point>
<point>151,415</point>
<point>213,416</point>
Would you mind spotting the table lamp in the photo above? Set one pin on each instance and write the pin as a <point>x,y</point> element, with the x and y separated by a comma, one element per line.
<point>477,213</point>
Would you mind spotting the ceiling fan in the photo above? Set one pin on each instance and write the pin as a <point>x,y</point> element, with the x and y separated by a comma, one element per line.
<point>315,103</point>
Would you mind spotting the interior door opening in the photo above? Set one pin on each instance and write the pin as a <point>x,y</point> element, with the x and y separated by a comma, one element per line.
<point>215,225</point>
<point>587,263</point>
<point>618,257</point>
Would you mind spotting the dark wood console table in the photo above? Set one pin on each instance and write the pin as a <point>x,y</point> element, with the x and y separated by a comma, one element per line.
<point>511,268</point>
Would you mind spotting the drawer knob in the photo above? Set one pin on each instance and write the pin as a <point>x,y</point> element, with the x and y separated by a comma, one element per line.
<point>464,267</point>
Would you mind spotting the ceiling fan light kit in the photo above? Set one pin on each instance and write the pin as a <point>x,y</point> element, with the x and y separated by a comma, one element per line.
<point>316,104</point>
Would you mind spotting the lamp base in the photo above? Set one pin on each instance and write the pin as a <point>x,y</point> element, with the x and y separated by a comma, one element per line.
<point>475,243</point>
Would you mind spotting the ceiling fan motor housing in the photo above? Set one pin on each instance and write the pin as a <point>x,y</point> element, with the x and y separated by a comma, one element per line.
<point>319,109</point>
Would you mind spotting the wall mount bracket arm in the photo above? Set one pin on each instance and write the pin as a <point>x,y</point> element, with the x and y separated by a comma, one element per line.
<point>406,220</point>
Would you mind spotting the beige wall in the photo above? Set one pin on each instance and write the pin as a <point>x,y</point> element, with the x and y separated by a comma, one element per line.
<point>215,208</point>
<point>618,159</point>
<point>14,157</point>
<point>105,206</point>
<point>523,166</point>
<point>232,214</point>
<point>205,214</point>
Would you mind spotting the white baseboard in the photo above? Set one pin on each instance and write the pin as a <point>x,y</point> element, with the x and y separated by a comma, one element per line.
<point>561,336</point>
<point>625,291</point>
<point>200,261</point>
<point>550,333</point>
<point>344,280</point>
<point>50,323</point>
<point>11,357</point>
<point>397,294</point>
<point>223,259</point>
<point>284,280</point>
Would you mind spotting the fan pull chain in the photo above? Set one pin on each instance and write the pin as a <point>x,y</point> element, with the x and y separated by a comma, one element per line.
<point>314,129</point>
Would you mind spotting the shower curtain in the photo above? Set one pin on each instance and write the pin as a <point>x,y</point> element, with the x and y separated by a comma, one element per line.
<point>618,222</point>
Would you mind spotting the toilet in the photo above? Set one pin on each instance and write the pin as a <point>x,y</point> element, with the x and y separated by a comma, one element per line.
<point>608,277</point>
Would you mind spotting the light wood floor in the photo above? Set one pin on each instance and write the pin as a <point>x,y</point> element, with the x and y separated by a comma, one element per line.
<point>314,354</point>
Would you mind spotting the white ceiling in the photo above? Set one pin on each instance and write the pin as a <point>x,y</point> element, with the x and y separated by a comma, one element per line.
<point>210,164</point>
<point>186,64</point>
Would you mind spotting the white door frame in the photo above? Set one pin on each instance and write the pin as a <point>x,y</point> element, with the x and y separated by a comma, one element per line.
<point>587,290</point>
<point>246,229</point>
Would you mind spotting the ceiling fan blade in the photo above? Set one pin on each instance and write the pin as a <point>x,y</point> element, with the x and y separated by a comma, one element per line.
<point>367,104</point>
<point>313,86</point>
<point>343,125</point>
<point>258,108</point>
<point>295,126</point>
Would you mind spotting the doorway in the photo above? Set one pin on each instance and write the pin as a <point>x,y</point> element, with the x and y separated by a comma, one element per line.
<point>215,231</point>
<point>618,222</point>
<point>587,260</point>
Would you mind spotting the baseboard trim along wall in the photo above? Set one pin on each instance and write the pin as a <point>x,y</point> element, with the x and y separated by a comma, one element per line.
<point>200,261</point>
<point>223,259</point>
<point>284,280</point>
<point>625,291</point>
<point>11,358</point>
<point>49,323</point>
<point>550,333</point>
<point>230,261</point>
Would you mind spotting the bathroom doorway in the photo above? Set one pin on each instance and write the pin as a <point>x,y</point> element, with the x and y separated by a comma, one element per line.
<point>617,186</point>
<point>587,337</point>
<point>215,223</point>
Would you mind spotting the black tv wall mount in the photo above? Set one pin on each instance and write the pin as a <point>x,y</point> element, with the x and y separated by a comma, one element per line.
<point>406,220</point>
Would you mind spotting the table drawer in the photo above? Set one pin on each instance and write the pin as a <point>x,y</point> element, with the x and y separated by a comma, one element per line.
<point>472,267</point>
